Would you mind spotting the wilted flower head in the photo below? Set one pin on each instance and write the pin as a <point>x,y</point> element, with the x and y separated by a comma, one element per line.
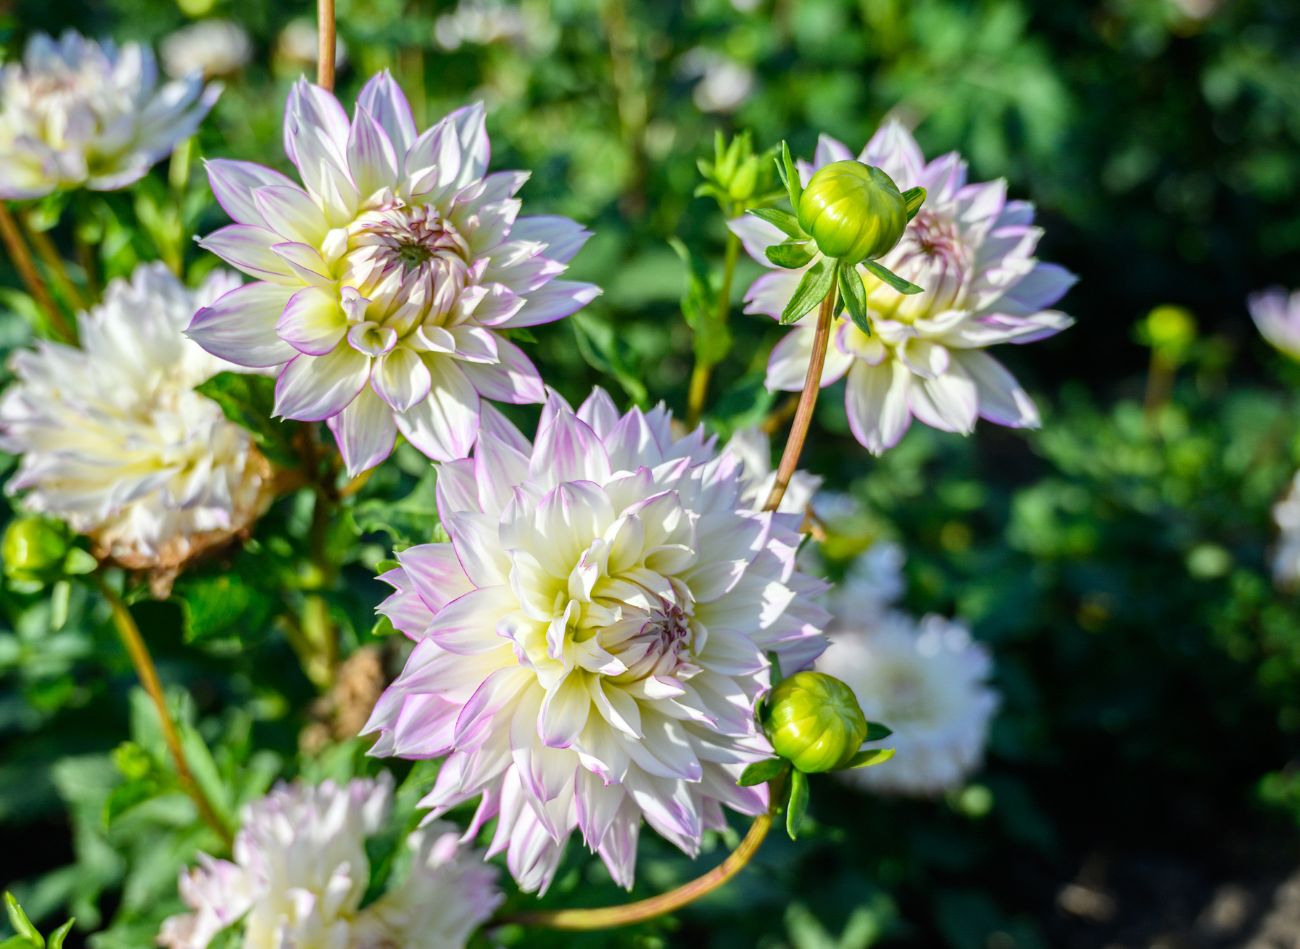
<point>753,447</point>
<point>78,113</point>
<point>300,872</point>
<point>114,439</point>
<point>1277,317</point>
<point>213,47</point>
<point>972,251</point>
<point>387,282</point>
<point>590,644</point>
<point>926,680</point>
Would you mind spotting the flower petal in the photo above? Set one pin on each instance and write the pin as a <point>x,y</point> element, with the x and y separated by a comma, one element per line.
<point>314,388</point>
<point>365,432</point>
<point>240,326</point>
<point>312,322</point>
<point>445,424</point>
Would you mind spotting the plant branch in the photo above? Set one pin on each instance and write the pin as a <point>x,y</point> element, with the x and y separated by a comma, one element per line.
<point>54,263</point>
<point>147,672</point>
<point>700,374</point>
<point>22,261</point>
<point>328,40</point>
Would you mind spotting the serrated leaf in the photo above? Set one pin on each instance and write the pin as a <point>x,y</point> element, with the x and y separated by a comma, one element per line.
<point>56,938</point>
<point>791,254</point>
<point>248,401</point>
<point>855,297</point>
<point>785,167</point>
<point>817,281</point>
<point>869,757</point>
<point>783,220</point>
<point>914,198</point>
<point>877,731</point>
<point>891,278</point>
<point>796,809</point>
<point>760,772</point>
<point>21,924</point>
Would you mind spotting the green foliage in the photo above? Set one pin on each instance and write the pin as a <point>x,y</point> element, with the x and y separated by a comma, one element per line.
<point>249,401</point>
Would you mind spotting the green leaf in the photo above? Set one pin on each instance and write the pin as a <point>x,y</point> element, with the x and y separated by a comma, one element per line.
<point>56,938</point>
<point>891,278</point>
<point>914,197</point>
<point>877,731</point>
<point>785,167</point>
<point>248,401</point>
<point>223,604</point>
<point>412,519</point>
<point>21,924</point>
<point>700,308</point>
<point>797,807</point>
<point>791,254</point>
<point>783,220</point>
<point>855,297</point>
<point>818,281</point>
<point>607,352</point>
<point>760,772</point>
<point>869,757</point>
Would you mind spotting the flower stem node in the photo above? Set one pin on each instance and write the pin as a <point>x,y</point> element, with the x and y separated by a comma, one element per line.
<point>853,211</point>
<point>814,721</point>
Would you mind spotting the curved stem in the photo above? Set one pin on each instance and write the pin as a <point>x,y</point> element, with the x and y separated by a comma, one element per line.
<point>700,374</point>
<point>54,263</point>
<point>148,675</point>
<point>22,261</point>
<point>327,39</point>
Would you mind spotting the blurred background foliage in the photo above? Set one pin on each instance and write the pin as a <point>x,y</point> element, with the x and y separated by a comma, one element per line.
<point>1148,751</point>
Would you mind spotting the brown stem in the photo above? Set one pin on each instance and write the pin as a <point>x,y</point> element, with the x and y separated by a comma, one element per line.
<point>53,260</point>
<point>700,374</point>
<point>148,675</point>
<point>22,261</point>
<point>328,39</point>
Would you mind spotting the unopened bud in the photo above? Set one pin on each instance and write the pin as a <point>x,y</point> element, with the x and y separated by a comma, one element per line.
<point>34,549</point>
<point>853,211</point>
<point>814,721</point>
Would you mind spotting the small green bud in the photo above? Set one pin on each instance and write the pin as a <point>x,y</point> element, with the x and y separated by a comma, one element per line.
<point>1170,331</point>
<point>814,721</point>
<point>34,549</point>
<point>855,212</point>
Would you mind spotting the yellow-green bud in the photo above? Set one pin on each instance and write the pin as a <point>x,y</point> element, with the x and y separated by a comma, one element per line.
<point>853,211</point>
<point>814,721</point>
<point>34,549</point>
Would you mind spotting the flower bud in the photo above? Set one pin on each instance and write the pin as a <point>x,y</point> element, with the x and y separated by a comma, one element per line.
<point>853,211</point>
<point>814,721</point>
<point>34,549</point>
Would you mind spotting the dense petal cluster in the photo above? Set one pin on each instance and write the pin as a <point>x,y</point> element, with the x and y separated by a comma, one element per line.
<point>1277,317</point>
<point>300,872</point>
<point>386,281</point>
<point>926,680</point>
<point>591,643</point>
<point>114,439</point>
<point>75,113</point>
<point>972,251</point>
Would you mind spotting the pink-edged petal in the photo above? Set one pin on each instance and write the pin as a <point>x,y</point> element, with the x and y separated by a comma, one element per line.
<point>435,572</point>
<point>568,450</point>
<point>948,401</point>
<point>365,432</point>
<point>233,183</point>
<point>312,322</point>
<point>556,300</point>
<point>877,400</point>
<point>383,98</point>
<point>240,326</point>
<point>756,236</point>
<point>830,150</point>
<point>372,159</point>
<point>514,379</point>
<point>250,249</point>
<point>291,213</point>
<point>314,388</point>
<point>309,108</point>
<point>561,237</point>
<point>1040,288</point>
<point>787,367</point>
<point>1002,400</point>
<point>445,424</point>
<point>893,150</point>
<point>564,712</point>
<point>401,378</point>
<point>770,293</point>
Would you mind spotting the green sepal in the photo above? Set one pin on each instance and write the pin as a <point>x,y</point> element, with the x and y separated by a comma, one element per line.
<point>796,809</point>
<point>817,281</point>
<point>785,167</point>
<point>784,220</point>
<point>855,297</point>
<point>869,757</point>
<point>791,254</point>
<point>877,731</point>
<point>913,198</point>
<point>20,923</point>
<point>891,278</point>
<point>760,772</point>
<point>56,938</point>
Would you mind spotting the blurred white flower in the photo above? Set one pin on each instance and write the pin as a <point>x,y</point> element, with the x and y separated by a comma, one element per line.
<point>213,47</point>
<point>724,83</point>
<point>1277,317</point>
<point>300,872</point>
<point>1286,554</point>
<point>480,23</point>
<point>115,440</point>
<point>873,584</point>
<point>297,46</point>
<point>753,447</point>
<point>78,113</point>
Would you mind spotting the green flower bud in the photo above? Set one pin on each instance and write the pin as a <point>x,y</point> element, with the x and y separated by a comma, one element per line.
<point>854,212</point>
<point>34,549</point>
<point>814,721</point>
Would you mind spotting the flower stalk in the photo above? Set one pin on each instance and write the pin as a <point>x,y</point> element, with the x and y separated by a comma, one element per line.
<point>26,267</point>
<point>702,372</point>
<point>327,40</point>
<point>54,263</point>
<point>147,672</point>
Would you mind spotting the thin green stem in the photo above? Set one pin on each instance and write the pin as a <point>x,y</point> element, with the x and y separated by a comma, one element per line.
<point>700,375</point>
<point>54,263</point>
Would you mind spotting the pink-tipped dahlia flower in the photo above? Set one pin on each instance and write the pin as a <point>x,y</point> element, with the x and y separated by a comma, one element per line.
<point>389,279</point>
<point>591,643</point>
<point>972,251</point>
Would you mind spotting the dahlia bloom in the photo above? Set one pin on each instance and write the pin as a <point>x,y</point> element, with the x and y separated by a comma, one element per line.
<point>214,47</point>
<point>753,448</point>
<point>1277,317</point>
<point>972,251</point>
<point>591,643</point>
<point>926,680</point>
<point>79,113</point>
<point>387,283</point>
<point>300,872</point>
<point>114,439</point>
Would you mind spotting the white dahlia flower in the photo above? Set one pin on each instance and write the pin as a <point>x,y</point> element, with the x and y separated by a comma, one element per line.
<point>300,872</point>
<point>79,113</point>
<point>1277,317</point>
<point>590,644</point>
<point>114,439</point>
<point>972,251</point>
<point>388,283</point>
<point>753,447</point>
<point>1286,554</point>
<point>213,47</point>
<point>927,680</point>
